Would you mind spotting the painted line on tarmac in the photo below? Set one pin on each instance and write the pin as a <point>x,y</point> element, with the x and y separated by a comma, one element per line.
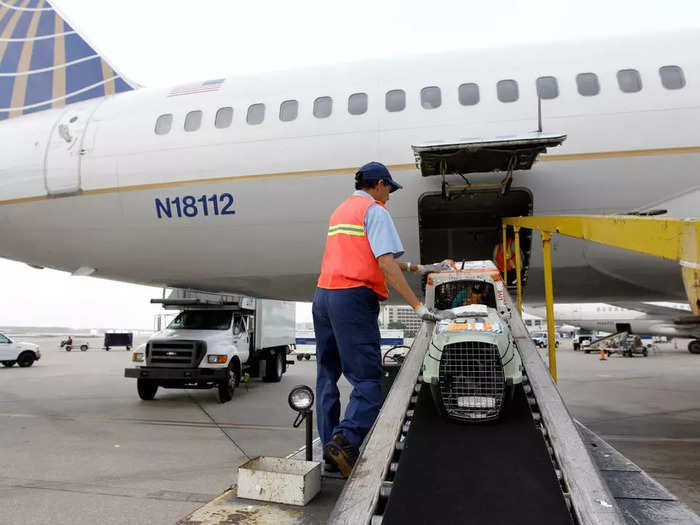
<point>104,490</point>
<point>299,451</point>
<point>159,422</point>
<point>650,439</point>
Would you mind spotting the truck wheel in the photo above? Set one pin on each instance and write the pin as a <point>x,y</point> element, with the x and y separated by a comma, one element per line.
<point>83,348</point>
<point>8,364</point>
<point>300,357</point>
<point>274,368</point>
<point>308,357</point>
<point>228,387</point>
<point>147,389</point>
<point>694,346</point>
<point>69,348</point>
<point>25,359</point>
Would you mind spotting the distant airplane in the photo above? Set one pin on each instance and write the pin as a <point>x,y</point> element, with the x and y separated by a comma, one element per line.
<point>632,317</point>
<point>227,184</point>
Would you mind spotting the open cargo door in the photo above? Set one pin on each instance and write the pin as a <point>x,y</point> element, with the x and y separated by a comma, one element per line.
<point>463,222</point>
<point>499,155</point>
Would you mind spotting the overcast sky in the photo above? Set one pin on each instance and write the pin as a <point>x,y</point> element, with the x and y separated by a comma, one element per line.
<point>159,42</point>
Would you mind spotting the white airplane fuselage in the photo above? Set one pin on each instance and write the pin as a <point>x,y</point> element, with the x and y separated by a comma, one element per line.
<point>611,319</point>
<point>245,208</point>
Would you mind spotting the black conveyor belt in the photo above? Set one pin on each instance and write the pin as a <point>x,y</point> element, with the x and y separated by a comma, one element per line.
<point>488,473</point>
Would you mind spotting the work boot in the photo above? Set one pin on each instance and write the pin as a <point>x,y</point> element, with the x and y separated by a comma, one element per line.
<point>328,465</point>
<point>342,453</point>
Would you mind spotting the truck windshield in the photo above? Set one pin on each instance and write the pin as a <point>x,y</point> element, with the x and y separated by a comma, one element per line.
<point>202,320</point>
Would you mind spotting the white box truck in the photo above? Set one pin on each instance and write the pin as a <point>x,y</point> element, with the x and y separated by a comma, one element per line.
<point>213,343</point>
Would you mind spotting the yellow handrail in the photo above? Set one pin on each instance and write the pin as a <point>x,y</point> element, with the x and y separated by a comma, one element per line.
<point>669,238</point>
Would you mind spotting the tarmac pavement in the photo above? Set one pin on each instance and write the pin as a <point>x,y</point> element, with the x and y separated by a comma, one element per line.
<point>78,446</point>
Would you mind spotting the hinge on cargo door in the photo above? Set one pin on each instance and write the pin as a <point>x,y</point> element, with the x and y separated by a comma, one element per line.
<point>493,156</point>
<point>455,190</point>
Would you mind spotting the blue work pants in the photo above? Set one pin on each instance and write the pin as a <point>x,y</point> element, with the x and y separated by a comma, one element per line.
<point>347,342</point>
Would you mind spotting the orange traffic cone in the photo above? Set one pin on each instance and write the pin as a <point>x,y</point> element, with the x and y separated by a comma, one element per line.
<point>602,354</point>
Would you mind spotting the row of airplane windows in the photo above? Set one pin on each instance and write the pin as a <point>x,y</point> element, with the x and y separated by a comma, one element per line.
<point>587,84</point>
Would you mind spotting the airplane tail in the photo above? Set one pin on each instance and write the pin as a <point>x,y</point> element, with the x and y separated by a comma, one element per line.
<point>45,63</point>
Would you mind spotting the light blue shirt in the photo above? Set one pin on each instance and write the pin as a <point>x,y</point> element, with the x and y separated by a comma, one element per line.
<point>381,232</point>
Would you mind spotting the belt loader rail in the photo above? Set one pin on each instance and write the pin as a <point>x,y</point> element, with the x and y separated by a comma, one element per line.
<point>371,495</point>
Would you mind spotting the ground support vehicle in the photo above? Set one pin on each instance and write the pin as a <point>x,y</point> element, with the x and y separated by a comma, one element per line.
<point>113,339</point>
<point>16,352</point>
<point>305,347</point>
<point>630,346</point>
<point>213,343</point>
<point>582,339</point>
<point>472,364</point>
<point>69,344</point>
<point>623,343</point>
<point>540,339</point>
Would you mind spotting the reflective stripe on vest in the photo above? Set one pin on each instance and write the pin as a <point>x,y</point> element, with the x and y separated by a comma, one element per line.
<point>348,260</point>
<point>347,229</point>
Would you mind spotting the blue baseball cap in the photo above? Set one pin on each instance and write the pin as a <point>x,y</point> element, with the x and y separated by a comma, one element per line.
<point>377,171</point>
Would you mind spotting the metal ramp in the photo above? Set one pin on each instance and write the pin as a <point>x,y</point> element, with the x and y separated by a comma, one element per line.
<point>530,467</point>
<point>536,465</point>
<point>616,338</point>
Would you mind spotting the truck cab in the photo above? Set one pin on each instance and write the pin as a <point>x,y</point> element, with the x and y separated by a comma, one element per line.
<point>16,352</point>
<point>213,345</point>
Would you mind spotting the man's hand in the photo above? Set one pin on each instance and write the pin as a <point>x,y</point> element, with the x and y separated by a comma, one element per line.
<point>426,315</point>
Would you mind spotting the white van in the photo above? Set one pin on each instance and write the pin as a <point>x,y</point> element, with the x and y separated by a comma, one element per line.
<point>11,352</point>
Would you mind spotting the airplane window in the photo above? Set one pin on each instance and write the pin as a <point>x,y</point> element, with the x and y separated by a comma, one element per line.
<point>323,107</point>
<point>289,109</point>
<point>357,103</point>
<point>507,90</point>
<point>587,84</point>
<point>224,117</point>
<point>547,87</point>
<point>672,77</point>
<point>164,123</point>
<point>430,97</point>
<point>256,114</point>
<point>395,100</point>
<point>193,120</point>
<point>629,80</point>
<point>469,94</point>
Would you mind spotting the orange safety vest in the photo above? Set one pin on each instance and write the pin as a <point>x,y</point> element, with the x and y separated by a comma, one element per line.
<point>348,261</point>
<point>510,255</point>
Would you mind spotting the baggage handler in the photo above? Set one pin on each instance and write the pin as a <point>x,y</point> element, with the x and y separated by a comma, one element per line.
<point>358,262</point>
